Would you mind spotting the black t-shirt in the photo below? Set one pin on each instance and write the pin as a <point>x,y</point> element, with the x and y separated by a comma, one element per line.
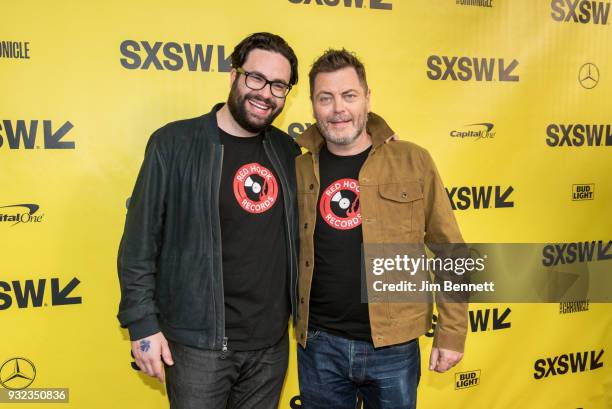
<point>335,296</point>
<point>253,246</point>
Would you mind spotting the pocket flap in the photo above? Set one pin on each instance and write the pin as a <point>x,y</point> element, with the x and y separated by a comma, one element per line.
<point>401,192</point>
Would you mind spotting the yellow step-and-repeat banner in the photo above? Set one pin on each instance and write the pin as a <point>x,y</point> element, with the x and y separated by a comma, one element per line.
<point>513,98</point>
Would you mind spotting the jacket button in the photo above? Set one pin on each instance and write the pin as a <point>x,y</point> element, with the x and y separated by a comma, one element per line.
<point>302,300</point>
<point>307,263</point>
<point>311,187</point>
<point>305,225</point>
<point>404,195</point>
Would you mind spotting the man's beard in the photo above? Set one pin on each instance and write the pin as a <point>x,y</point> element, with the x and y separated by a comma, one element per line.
<point>331,136</point>
<point>237,106</point>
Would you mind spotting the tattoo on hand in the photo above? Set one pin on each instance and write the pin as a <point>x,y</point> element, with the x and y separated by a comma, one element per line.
<point>145,345</point>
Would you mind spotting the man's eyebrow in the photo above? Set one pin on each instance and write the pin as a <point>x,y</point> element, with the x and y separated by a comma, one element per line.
<point>348,91</point>
<point>323,92</point>
<point>263,76</point>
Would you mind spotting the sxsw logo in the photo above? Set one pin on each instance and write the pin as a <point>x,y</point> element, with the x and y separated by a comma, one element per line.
<point>359,4</point>
<point>18,134</point>
<point>480,197</point>
<point>583,191</point>
<point>471,68</point>
<point>467,379</point>
<point>20,213</point>
<point>569,253</point>
<point>489,320</point>
<point>478,131</point>
<point>578,135</point>
<point>31,293</point>
<point>172,56</point>
<point>580,11</point>
<point>295,129</point>
<point>573,362</point>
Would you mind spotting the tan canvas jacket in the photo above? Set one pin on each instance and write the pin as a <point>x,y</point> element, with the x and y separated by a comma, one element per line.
<point>402,200</point>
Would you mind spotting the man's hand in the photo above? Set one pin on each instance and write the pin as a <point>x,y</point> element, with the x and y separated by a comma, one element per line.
<point>441,360</point>
<point>147,352</point>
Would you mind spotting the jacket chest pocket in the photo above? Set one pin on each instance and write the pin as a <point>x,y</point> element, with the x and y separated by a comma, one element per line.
<point>400,210</point>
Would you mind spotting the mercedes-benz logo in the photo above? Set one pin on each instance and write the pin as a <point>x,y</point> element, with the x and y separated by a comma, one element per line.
<point>588,76</point>
<point>17,373</point>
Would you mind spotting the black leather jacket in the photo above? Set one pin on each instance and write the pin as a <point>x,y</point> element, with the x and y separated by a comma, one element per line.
<point>169,263</point>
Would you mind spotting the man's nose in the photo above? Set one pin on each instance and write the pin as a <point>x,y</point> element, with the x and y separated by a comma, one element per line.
<point>266,92</point>
<point>339,106</point>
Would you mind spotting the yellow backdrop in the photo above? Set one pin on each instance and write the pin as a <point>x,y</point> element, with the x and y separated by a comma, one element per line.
<point>511,97</point>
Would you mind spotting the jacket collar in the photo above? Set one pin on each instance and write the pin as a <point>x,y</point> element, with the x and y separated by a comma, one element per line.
<point>208,125</point>
<point>376,127</point>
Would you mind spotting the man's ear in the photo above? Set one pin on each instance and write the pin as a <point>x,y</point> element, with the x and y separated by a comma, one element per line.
<point>233,75</point>
<point>368,99</point>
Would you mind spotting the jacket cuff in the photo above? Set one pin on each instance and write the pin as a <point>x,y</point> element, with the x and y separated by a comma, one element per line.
<point>449,340</point>
<point>143,328</point>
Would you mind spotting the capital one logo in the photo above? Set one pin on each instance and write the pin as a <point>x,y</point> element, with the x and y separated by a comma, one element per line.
<point>359,4</point>
<point>442,68</point>
<point>172,56</point>
<point>21,134</point>
<point>20,213</point>
<point>478,131</point>
<point>580,11</point>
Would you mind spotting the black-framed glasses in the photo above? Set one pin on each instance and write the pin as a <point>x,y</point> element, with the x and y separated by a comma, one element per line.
<point>256,82</point>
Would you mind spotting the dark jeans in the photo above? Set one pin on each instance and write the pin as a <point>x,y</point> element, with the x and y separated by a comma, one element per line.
<point>332,370</point>
<point>204,379</point>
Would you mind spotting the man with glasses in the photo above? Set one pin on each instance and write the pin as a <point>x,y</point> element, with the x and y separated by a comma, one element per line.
<point>207,262</point>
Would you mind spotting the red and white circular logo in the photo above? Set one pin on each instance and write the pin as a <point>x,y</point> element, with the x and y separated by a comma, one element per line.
<point>255,188</point>
<point>339,204</point>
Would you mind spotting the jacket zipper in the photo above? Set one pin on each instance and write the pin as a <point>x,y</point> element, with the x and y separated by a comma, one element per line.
<point>284,184</point>
<point>222,312</point>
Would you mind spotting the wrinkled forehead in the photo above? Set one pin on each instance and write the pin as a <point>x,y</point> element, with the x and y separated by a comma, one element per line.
<point>339,81</point>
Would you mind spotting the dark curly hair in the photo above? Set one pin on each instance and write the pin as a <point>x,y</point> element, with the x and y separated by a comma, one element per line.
<point>268,42</point>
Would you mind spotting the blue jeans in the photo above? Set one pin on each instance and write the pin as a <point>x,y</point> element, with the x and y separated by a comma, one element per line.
<point>332,370</point>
